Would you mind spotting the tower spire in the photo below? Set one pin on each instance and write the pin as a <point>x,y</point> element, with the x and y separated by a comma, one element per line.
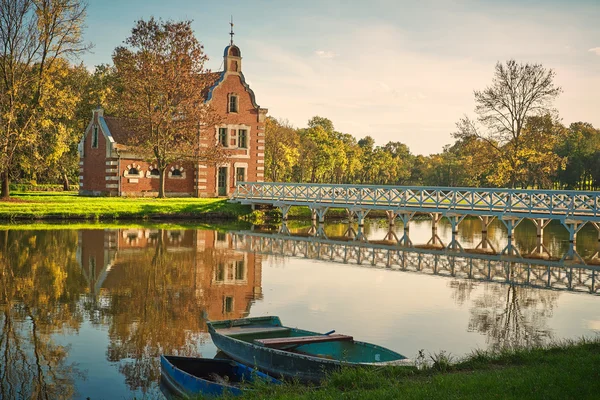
<point>231,31</point>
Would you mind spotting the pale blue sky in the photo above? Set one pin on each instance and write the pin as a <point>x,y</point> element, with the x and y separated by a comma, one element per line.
<point>395,70</point>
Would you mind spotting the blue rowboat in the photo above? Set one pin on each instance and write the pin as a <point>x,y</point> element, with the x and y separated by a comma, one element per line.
<point>293,353</point>
<point>189,376</point>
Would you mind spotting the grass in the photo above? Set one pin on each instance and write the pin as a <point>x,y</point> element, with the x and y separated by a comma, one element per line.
<point>561,371</point>
<point>47,205</point>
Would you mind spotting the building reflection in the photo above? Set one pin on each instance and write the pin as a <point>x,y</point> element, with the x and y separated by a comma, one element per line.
<point>39,285</point>
<point>155,289</point>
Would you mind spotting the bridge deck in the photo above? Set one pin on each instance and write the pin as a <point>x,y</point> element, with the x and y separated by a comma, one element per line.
<point>563,205</point>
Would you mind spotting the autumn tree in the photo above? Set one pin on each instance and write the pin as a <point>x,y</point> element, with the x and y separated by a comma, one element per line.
<point>518,92</point>
<point>161,81</point>
<point>281,150</point>
<point>35,35</point>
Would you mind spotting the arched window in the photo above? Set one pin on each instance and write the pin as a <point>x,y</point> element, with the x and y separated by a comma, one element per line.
<point>133,171</point>
<point>176,172</point>
<point>234,51</point>
<point>154,172</point>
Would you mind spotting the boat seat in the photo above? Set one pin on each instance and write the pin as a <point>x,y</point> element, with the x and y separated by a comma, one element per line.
<point>246,330</point>
<point>300,340</point>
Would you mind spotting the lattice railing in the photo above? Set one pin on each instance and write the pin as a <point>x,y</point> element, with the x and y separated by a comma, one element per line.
<point>537,273</point>
<point>534,203</point>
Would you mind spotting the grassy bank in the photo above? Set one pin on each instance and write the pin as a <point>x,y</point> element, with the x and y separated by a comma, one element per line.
<point>54,206</point>
<point>557,372</point>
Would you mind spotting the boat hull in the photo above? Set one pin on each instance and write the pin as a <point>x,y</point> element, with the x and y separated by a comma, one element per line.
<point>188,376</point>
<point>300,365</point>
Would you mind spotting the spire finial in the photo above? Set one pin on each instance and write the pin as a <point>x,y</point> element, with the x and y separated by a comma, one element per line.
<point>231,31</point>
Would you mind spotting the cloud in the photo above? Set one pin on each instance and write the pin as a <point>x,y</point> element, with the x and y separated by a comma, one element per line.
<point>325,54</point>
<point>595,50</point>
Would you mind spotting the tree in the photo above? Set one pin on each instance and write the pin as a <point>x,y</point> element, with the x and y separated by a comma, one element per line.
<point>34,35</point>
<point>518,91</point>
<point>161,82</point>
<point>281,150</point>
<point>581,147</point>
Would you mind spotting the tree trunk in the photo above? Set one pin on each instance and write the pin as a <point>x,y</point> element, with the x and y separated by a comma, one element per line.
<point>66,186</point>
<point>161,184</point>
<point>5,190</point>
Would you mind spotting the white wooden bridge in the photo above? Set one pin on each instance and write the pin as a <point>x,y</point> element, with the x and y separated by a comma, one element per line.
<point>573,208</point>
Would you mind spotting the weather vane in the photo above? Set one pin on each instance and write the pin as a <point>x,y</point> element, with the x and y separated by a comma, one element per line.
<point>231,32</point>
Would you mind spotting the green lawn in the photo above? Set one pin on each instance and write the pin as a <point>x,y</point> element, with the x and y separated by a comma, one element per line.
<point>561,372</point>
<point>45,205</point>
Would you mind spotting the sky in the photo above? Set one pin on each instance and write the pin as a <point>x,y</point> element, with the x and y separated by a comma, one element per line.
<point>395,70</point>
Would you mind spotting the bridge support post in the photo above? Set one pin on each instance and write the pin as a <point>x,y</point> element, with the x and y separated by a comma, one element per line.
<point>485,243</point>
<point>284,208</point>
<point>486,220</point>
<point>511,224</point>
<point>284,230</point>
<point>540,224</point>
<point>455,220</point>
<point>391,234</point>
<point>349,215</point>
<point>405,217</point>
<point>350,232</point>
<point>573,227</point>
<point>435,240</point>
<point>361,214</point>
<point>572,254</point>
<point>391,216</point>
<point>317,230</point>
<point>318,212</point>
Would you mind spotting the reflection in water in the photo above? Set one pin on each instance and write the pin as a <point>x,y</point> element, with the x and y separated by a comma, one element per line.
<point>139,292</point>
<point>155,288</point>
<point>39,284</point>
<point>513,316</point>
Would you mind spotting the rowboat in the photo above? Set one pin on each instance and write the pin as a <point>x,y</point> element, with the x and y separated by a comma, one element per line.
<point>189,376</point>
<point>293,353</point>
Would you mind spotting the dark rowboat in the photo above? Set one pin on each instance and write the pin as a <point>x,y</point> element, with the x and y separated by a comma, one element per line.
<point>295,353</point>
<point>189,376</point>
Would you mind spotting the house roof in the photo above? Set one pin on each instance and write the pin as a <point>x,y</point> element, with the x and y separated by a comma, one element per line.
<point>118,129</point>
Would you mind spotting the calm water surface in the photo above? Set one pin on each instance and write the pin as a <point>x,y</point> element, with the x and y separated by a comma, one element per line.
<point>85,313</point>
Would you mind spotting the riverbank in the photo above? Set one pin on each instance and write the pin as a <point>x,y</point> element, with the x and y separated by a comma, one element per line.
<point>65,206</point>
<point>569,370</point>
<point>31,206</point>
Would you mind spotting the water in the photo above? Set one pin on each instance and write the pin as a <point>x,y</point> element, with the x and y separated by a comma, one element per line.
<point>85,313</point>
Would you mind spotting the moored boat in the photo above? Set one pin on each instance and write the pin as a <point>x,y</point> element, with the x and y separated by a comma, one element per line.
<point>293,353</point>
<point>189,376</point>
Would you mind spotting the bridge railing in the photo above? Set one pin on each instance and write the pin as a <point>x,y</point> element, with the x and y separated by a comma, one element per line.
<point>550,203</point>
<point>531,272</point>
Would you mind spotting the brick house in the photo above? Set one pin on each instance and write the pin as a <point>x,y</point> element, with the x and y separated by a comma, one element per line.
<point>108,167</point>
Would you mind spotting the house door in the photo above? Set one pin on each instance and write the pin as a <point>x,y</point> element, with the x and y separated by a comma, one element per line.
<point>222,181</point>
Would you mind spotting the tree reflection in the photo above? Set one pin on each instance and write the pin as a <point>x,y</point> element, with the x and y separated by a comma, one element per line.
<point>39,284</point>
<point>152,288</point>
<point>512,315</point>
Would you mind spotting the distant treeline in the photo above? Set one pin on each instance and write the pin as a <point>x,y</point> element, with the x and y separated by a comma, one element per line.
<point>550,156</point>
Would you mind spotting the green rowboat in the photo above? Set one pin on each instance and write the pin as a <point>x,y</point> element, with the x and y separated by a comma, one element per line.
<point>291,353</point>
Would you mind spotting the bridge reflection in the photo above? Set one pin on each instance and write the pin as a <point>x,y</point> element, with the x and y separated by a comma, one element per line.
<point>480,264</point>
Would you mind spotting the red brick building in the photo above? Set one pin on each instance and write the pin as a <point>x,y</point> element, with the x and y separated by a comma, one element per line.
<point>108,167</point>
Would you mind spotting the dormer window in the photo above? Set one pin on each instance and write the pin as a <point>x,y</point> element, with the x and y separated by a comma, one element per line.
<point>95,137</point>
<point>233,103</point>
